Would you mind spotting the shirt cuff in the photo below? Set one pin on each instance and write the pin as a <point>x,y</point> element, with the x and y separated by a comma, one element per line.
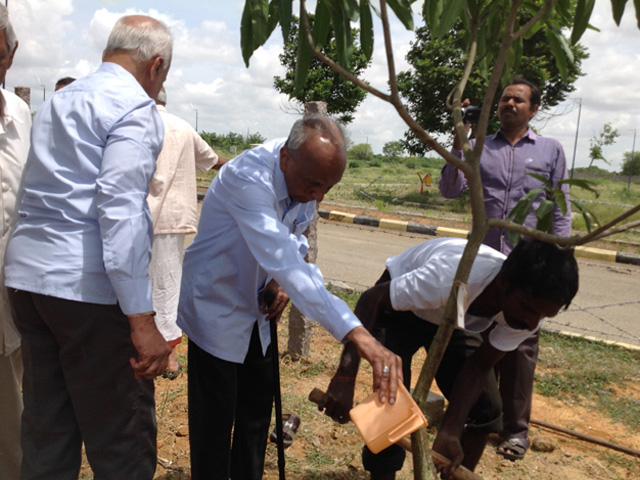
<point>134,296</point>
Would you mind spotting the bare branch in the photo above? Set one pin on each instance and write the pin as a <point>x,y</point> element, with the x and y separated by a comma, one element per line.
<point>619,229</point>
<point>334,66</point>
<point>533,20</point>
<point>388,47</point>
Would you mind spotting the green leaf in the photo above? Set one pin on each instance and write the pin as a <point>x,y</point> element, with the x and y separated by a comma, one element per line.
<point>519,213</point>
<point>274,18</point>
<point>366,29</point>
<point>352,10</point>
<point>431,11</point>
<point>402,9</point>
<point>561,200</point>
<point>618,9</point>
<point>321,24</point>
<point>449,17</point>
<point>589,217</point>
<point>636,3</point>
<point>254,30</point>
<point>284,11</point>
<point>302,63</point>
<point>342,31</point>
<point>584,8</point>
<point>544,214</point>
<point>558,52</point>
<point>580,183</point>
<point>544,180</point>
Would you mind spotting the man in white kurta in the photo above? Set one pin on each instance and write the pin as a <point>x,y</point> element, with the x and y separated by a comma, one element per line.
<point>15,127</point>
<point>173,204</point>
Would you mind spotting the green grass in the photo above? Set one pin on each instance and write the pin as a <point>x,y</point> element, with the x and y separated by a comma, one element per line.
<point>593,374</point>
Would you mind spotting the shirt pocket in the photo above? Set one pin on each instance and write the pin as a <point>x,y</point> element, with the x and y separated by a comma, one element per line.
<point>531,183</point>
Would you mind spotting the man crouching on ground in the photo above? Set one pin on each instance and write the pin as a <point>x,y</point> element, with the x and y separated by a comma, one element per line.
<point>507,297</point>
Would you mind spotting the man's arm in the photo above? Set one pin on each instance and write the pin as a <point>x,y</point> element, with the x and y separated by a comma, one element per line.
<point>206,158</point>
<point>126,231</point>
<point>561,223</point>
<point>466,391</point>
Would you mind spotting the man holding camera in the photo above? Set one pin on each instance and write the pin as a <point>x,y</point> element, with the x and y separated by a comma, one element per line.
<point>509,155</point>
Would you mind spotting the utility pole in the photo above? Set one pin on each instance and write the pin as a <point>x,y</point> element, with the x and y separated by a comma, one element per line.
<point>575,143</point>
<point>194,108</point>
<point>633,151</point>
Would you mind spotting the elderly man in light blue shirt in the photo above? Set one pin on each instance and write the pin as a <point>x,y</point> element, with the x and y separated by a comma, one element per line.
<point>249,246</point>
<point>77,266</point>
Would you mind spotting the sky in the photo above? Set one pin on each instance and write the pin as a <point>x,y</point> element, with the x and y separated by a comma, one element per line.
<point>209,82</point>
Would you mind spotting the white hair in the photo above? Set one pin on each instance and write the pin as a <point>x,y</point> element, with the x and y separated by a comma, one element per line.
<point>162,97</point>
<point>5,26</point>
<point>145,40</point>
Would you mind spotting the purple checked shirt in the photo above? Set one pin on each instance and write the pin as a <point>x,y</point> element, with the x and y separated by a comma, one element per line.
<point>504,168</point>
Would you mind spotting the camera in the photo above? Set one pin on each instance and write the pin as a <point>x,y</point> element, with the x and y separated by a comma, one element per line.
<point>471,114</point>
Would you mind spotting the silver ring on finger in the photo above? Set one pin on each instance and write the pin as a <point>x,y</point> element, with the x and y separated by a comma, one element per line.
<point>385,370</point>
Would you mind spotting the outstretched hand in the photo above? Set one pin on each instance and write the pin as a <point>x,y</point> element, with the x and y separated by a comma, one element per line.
<point>386,365</point>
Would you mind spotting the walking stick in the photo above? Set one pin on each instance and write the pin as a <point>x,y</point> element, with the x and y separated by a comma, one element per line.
<point>275,360</point>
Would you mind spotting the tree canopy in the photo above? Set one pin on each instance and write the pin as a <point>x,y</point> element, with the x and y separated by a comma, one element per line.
<point>437,65</point>
<point>631,165</point>
<point>323,84</point>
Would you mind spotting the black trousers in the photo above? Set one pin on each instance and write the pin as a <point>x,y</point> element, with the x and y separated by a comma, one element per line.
<point>79,387</point>
<point>517,372</point>
<point>404,334</point>
<point>226,397</point>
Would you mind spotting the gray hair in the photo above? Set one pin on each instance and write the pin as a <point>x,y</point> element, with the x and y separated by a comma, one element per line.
<point>5,26</point>
<point>145,40</point>
<point>162,97</point>
<point>324,125</point>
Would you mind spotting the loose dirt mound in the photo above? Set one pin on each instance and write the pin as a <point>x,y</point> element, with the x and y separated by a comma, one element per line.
<point>323,449</point>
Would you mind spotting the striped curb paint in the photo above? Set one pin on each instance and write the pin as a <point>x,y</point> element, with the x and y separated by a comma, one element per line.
<point>410,227</point>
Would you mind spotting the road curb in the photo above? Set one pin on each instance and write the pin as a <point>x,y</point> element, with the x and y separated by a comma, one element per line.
<point>411,227</point>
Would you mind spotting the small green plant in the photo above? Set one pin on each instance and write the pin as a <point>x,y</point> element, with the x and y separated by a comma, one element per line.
<point>354,164</point>
<point>553,196</point>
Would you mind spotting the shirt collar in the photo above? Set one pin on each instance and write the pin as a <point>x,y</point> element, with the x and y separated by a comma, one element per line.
<point>10,113</point>
<point>530,135</point>
<point>279,184</point>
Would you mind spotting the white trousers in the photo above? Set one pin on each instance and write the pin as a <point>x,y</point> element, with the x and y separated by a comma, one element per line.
<point>165,270</point>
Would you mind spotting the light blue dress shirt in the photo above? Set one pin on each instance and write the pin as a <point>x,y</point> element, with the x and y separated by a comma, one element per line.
<point>85,230</point>
<point>250,232</point>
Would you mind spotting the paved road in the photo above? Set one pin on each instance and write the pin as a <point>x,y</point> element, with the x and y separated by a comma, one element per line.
<point>606,306</point>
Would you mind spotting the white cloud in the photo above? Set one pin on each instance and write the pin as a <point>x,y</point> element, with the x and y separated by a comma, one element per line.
<point>66,37</point>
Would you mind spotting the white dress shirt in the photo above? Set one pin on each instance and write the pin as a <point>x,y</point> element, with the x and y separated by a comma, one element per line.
<point>422,276</point>
<point>249,232</point>
<point>15,128</point>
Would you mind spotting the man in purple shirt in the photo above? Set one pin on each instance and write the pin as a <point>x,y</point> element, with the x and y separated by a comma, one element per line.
<point>508,156</point>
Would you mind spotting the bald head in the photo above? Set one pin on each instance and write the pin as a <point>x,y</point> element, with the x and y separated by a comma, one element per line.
<point>314,158</point>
